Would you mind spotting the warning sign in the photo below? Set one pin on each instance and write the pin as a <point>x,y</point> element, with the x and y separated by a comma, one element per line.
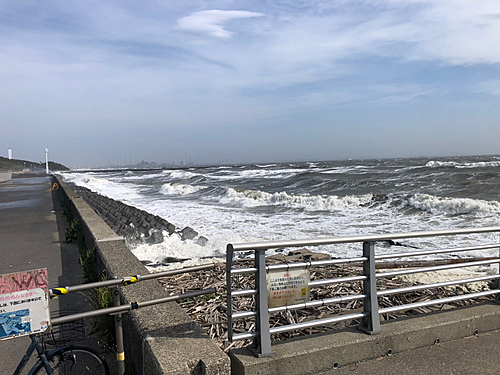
<point>287,287</point>
<point>23,303</point>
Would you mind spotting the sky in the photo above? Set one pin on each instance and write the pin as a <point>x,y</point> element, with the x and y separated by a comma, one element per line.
<point>103,82</point>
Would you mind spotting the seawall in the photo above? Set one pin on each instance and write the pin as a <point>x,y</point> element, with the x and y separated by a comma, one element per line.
<point>160,339</point>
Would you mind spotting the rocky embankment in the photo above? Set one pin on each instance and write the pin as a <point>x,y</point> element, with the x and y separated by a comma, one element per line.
<point>135,225</point>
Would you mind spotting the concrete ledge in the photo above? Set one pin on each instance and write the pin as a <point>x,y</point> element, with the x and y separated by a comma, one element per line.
<point>159,339</point>
<point>313,354</point>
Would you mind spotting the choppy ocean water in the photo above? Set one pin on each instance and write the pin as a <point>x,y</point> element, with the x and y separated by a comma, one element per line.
<point>261,202</point>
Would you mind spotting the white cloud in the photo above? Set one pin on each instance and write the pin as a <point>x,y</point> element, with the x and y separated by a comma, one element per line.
<point>211,22</point>
<point>490,87</point>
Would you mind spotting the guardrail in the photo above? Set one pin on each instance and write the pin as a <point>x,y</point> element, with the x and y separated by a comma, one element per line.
<point>370,317</point>
<point>118,309</point>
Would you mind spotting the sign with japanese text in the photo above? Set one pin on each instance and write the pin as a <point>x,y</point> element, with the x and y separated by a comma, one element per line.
<point>287,287</point>
<point>24,307</point>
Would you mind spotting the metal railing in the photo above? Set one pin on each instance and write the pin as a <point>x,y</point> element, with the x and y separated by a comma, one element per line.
<point>118,309</point>
<point>370,317</point>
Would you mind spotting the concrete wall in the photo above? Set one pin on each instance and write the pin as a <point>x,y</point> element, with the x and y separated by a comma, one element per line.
<point>159,339</point>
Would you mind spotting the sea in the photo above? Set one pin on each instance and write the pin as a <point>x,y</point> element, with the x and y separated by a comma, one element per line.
<point>308,200</point>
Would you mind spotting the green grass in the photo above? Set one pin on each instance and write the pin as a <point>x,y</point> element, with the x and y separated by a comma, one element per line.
<point>100,298</point>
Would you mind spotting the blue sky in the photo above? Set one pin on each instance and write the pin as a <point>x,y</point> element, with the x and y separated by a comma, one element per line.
<point>248,81</point>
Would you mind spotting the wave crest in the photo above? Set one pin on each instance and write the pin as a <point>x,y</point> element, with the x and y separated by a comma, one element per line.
<point>253,198</point>
<point>180,174</point>
<point>481,164</point>
<point>176,188</point>
<point>452,206</point>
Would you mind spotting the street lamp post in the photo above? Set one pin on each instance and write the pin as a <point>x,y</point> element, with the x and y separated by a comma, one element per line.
<point>47,160</point>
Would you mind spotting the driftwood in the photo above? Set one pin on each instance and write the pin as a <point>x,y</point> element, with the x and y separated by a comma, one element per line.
<point>210,310</point>
<point>427,263</point>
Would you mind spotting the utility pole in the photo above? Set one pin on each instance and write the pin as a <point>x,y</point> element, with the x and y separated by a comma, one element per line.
<point>47,160</point>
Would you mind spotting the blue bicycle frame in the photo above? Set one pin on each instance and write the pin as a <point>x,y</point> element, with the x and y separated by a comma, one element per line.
<point>43,358</point>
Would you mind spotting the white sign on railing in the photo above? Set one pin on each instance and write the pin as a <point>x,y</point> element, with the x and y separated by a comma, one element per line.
<point>24,307</point>
<point>287,287</point>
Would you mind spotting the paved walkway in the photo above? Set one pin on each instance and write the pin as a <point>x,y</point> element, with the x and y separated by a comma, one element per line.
<point>472,355</point>
<point>32,233</point>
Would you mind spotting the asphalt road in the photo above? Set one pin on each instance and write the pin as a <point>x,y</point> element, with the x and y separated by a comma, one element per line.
<point>32,234</point>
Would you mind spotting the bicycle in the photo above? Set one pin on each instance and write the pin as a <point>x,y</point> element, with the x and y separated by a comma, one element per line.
<point>80,360</point>
<point>67,359</point>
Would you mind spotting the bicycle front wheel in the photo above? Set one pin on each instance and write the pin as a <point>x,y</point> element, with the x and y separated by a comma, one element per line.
<point>75,360</point>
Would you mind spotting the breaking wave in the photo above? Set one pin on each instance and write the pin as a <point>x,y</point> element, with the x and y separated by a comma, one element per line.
<point>176,188</point>
<point>447,164</point>
<point>253,198</point>
<point>453,206</point>
<point>180,174</point>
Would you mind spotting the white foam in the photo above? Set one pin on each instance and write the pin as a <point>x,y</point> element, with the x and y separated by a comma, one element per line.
<point>180,174</point>
<point>116,190</point>
<point>437,164</point>
<point>456,274</point>
<point>482,164</point>
<point>453,206</point>
<point>176,188</point>
<point>172,246</point>
<point>257,174</point>
<point>486,164</point>
<point>253,198</point>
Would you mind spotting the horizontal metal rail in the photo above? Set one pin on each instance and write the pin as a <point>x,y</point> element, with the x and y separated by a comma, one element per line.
<point>319,303</point>
<point>244,292</point>
<point>128,307</point>
<point>440,301</point>
<point>433,252</point>
<point>305,305</point>
<point>246,335</point>
<point>314,263</point>
<point>436,268</point>
<point>369,318</point>
<point>366,238</point>
<point>317,322</point>
<point>303,325</point>
<point>242,271</point>
<point>127,280</point>
<point>414,288</point>
<point>349,279</point>
<point>245,314</point>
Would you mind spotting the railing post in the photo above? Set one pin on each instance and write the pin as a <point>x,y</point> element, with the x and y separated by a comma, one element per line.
<point>120,347</point>
<point>229,291</point>
<point>262,345</point>
<point>371,323</point>
<point>497,297</point>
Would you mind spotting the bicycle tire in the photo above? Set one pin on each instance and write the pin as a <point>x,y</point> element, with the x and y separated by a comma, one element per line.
<point>75,360</point>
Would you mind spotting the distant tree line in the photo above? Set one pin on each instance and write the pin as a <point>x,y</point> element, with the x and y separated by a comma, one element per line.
<point>16,165</point>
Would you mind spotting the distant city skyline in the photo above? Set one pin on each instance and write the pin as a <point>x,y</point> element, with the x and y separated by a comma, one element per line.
<point>246,81</point>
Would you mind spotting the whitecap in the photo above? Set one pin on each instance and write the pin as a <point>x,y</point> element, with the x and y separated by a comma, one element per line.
<point>452,206</point>
<point>254,198</point>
